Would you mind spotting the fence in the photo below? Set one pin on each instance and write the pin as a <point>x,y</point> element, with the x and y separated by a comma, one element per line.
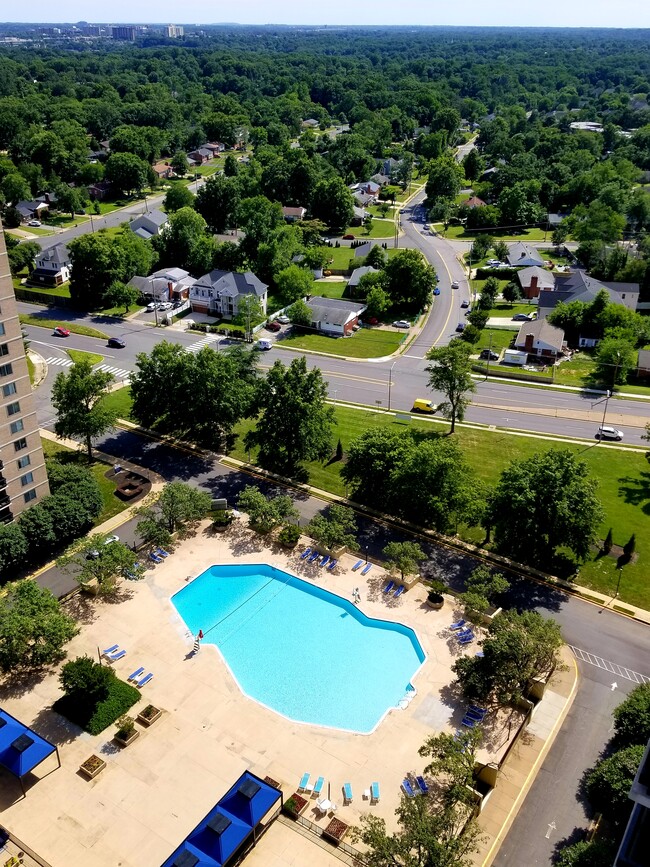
<point>341,850</point>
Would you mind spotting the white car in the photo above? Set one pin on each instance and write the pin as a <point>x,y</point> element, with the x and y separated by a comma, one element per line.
<point>94,553</point>
<point>283,320</point>
<point>493,263</point>
<point>608,433</point>
<point>455,284</point>
<point>401,323</point>
<point>152,306</point>
<point>165,305</point>
<point>426,227</point>
<point>34,223</point>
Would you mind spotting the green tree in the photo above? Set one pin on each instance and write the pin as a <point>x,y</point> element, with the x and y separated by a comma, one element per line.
<point>249,314</point>
<point>300,313</point>
<point>368,222</point>
<point>511,292</point>
<point>403,557</point>
<point>608,784</point>
<point>337,528</point>
<point>127,173</point>
<point>77,398</point>
<point>371,459</point>
<point>218,201</point>
<point>632,717</point>
<point>518,649</point>
<point>481,589</point>
<point>409,280</point>
<point>95,267</point>
<point>179,164</point>
<point>266,513</point>
<point>258,217</point>
<point>450,373</point>
<point>294,283</point>
<point>500,250</point>
<point>478,318</point>
<point>93,559</point>
<point>152,528</point>
<point>595,853</point>
<point>554,499</point>
<point>295,424</point>
<point>86,680</point>
<point>489,293</point>
<point>333,203</point>
<point>13,548</point>
<point>33,628</point>
<point>69,199</point>
<point>615,359</point>
<point>177,197</point>
<point>119,294</point>
<point>181,505</point>
<point>230,167</point>
<point>377,302</point>
<point>185,243</point>
<point>15,188</point>
<point>22,255</point>
<point>445,179</point>
<point>473,165</point>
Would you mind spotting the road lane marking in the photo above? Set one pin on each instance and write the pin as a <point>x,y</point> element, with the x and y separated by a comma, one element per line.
<point>118,372</point>
<point>611,667</point>
<point>61,362</point>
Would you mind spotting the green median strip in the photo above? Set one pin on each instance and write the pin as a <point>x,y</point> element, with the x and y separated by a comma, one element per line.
<point>73,327</point>
<point>79,355</point>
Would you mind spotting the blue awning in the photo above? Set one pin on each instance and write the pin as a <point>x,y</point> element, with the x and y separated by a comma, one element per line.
<point>21,748</point>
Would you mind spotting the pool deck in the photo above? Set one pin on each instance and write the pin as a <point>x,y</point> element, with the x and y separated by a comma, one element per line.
<point>151,794</point>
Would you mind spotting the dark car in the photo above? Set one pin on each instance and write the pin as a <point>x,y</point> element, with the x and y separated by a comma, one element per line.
<point>436,291</point>
<point>460,326</point>
<point>272,325</point>
<point>486,355</point>
<point>116,343</point>
<point>348,237</point>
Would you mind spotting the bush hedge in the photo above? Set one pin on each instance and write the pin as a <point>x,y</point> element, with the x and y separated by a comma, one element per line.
<point>94,718</point>
<point>499,273</point>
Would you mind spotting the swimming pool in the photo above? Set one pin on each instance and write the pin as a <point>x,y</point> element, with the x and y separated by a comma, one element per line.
<point>299,649</point>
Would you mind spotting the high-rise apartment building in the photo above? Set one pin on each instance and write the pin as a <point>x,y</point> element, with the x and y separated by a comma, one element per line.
<point>175,31</point>
<point>123,32</point>
<point>23,480</point>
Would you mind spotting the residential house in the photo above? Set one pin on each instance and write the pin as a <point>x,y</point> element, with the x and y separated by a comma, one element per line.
<point>579,286</point>
<point>219,293</point>
<point>310,123</point>
<point>363,199</point>
<point>146,226</point>
<point>524,254</point>
<point>371,188</point>
<point>162,170</point>
<point>52,267</point>
<point>99,191</point>
<point>358,273</point>
<point>488,174</point>
<point>200,156</point>
<point>216,147</point>
<point>389,166</point>
<point>33,210</point>
<point>358,216</point>
<point>643,363</point>
<point>382,180</point>
<point>292,215</point>
<point>473,202</point>
<point>167,284</point>
<point>362,250</point>
<point>534,280</point>
<point>334,316</point>
<point>541,339</point>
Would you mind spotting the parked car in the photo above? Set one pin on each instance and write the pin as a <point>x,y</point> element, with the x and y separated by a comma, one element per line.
<point>165,305</point>
<point>116,343</point>
<point>153,305</point>
<point>492,263</point>
<point>426,227</point>
<point>348,237</point>
<point>371,320</point>
<point>34,223</point>
<point>464,304</point>
<point>488,355</point>
<point>460,326</point>
<point>605,432</point>
<point>94,553</point>
<point>283,320</point>
<point>272,325</point>
<point>264,344</point>
<point>176,304</point>
<point>523,317</point>
<point>455,284</point>
<point>60,331</point>
<point>436,291</point>
<point>401,323</point>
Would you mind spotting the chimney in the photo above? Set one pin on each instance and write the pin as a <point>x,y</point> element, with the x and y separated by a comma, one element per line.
<point>533,288</point>
<point>528,345</point>
<point>170,290</point>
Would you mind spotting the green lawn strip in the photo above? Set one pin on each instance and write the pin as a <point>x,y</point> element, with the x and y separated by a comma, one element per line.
<point>380,229</point>
<point>65,221</point>
<point>501,339</point>
<point>112,504</point>
<point>80,355</point>
<point>120,401</point>
<point>339,256</point>
<point>507,311</point>
<point>95,718</point>
<point>32,230</point>
<point>377,211</point>
<point>31,369</point>
<point>74,327</point>
<point>62,291</point>
<point>330,288</point>
<point>119,311</point>
<point>459,233</point>
<point>365,343</point>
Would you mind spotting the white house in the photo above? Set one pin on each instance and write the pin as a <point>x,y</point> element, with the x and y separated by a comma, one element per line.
<point>52,267</point>
<point>334,316</point>
<point>524,254</point>
<point>167,284</point>
<point>147,225</point>
<point>219,293</point>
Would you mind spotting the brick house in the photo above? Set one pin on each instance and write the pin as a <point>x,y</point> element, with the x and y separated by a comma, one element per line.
<point>540,339</point>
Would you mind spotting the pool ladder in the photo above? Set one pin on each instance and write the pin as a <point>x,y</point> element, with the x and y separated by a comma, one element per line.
<point>410,694</point>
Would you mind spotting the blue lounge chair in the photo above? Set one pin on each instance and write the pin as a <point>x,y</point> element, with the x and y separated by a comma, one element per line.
<point>313,557</point>
<point>304,780</point>
<point>110,650</point>
<point>331,565</point>
<point>398,592</point>
<point>422,783</point>
<point>155,557</point>
<point>136,674</point>
<point>478,709</point>
<point>458,625</point>
<point>468,722</point>
<point>389,587</point>
<point>318,787</point>
<point>145,680</point>
<point>356,565</point>
<point>347,793</point>
<point>324,559</point>
<point>461,636</point>
<point>374,792</point>
<point>470,714</point>
<point>305,554</point>
<point>408,788</point>
<point>115,656</point>
<point>161,552</point>
<point>366,569</point>
<point>466,640</point>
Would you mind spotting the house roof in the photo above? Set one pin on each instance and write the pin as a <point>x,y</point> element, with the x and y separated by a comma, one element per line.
<point>380,179</point>
<point>148,224</point>
<point>474,202</point>
<point>290,211</point>
<point>360,213</point>
<point>56,255</point>
<point>334,311</point>
<point>362,250</point>
<point>362,198</point>
<point>358,273</point>
<point>644,359</point>
<point>521,251</point>
<point>580,286</point>
<point>157,284</point>
<point>545,280</point>
<point>371,186</point>
<point>231,283</point>
<point>542,331</point>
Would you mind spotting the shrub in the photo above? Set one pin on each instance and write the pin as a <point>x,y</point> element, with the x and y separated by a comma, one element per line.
<point>632,717</point>
<point>126,727</point>
<point>289,535</point>
<point>94,718</point>
<point>609,783</point>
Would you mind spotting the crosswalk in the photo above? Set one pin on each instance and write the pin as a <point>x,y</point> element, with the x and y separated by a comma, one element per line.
<point>206,341</point>
<point>118,372</point>
<point>611,667</point>
<point>59,362</point>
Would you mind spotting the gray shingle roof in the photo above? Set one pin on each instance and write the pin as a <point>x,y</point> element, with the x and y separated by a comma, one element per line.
<point>358,273</point>
<point>545,280</point>
<point>232,283</point>
<point>56,255</point>
<point>334,311</point>
<point>521,251</point>
<point>541,330</point>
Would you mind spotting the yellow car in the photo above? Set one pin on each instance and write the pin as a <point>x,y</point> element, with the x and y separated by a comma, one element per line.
<point>422,405</point>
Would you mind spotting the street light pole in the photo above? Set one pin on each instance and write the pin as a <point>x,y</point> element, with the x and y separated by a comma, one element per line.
<point>390,382</point>
<point>605,410</point>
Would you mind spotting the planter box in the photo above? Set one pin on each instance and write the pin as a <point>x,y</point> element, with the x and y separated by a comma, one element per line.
<point>336,830</point>
<point>91,587</point>
<point>124,742</point>
<point>92,766</point>
<point>294,805</point>
<point>149,718</point>
<point>435,601</point>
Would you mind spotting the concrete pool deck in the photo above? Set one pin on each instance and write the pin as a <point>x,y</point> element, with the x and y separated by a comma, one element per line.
<point>151,794</point>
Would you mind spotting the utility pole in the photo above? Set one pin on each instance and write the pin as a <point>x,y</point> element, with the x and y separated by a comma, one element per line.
<point>390,382</point>
<point>487,369</point>
<point>605,410</point>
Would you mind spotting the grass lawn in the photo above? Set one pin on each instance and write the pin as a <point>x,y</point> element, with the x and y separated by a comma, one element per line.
<point>503,310</point>
<point>380,229</point>
<point>79,355</point>
<point>366,343</point>
<point>32,230</point>
<point>62,291</point>
<point>412,187</point>
<point>31,369</point>
<point>330,288</point>
<point>376,211</point>
<point>340,257</point>
<point>112,504</point>
<point>501,339</point>
<point>120,401</point>
<point>65,221</point>
<point>34,319</point>
<point>459,233</point>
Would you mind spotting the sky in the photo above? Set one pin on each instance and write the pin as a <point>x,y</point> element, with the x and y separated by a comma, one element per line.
<point>561,13</point>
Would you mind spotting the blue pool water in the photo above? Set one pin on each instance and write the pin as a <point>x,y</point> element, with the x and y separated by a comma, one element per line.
<point>299,649</point>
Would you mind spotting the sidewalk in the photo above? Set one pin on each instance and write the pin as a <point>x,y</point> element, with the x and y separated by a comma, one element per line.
<point>522,766</point>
